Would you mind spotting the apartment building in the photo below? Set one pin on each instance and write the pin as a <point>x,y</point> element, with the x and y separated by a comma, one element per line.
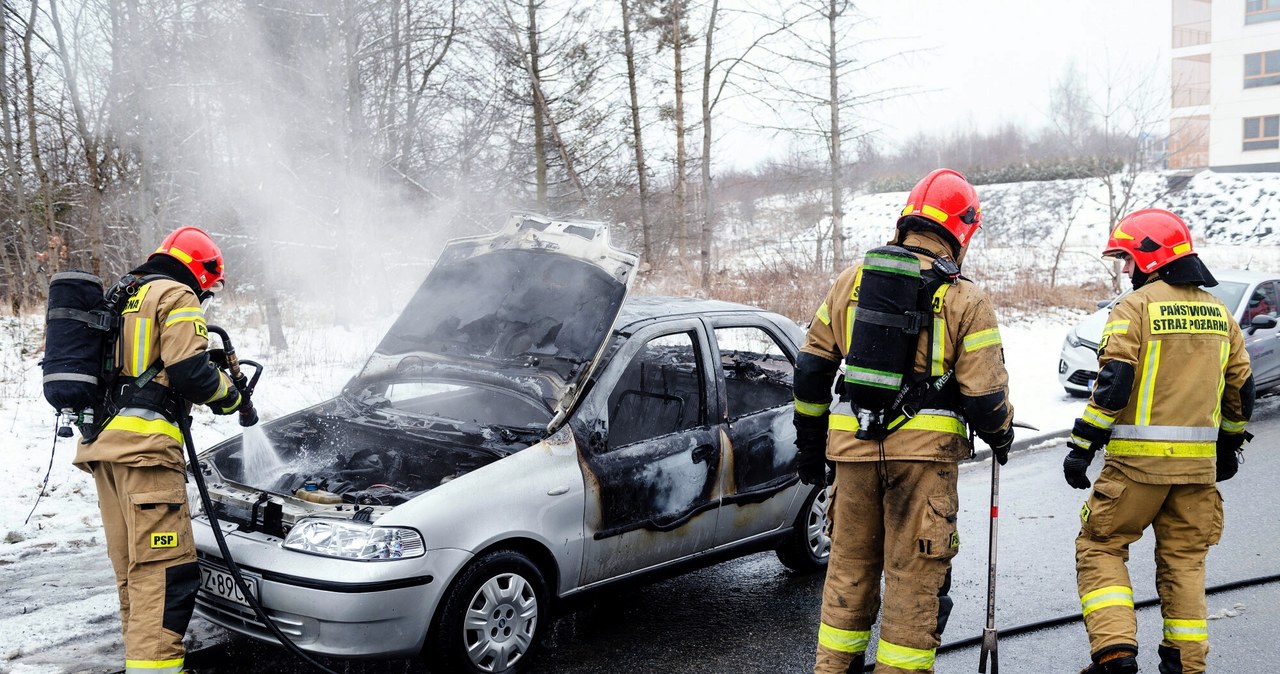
<point>1226,85</point>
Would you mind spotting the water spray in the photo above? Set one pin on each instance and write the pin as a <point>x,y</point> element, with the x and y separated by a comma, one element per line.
<point>248,417</point>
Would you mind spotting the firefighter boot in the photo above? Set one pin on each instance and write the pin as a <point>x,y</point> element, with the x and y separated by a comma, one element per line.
<point>859,663</point>
<point>1115,662</point>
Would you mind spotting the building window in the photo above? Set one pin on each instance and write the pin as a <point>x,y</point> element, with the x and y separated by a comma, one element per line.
<point>1257,11</point>
<point>1262,133</point>
<point>1261,69</point>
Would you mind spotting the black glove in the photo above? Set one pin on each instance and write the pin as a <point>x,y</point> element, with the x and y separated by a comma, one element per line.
<point>811,448</point>
<point>228,403</point>
<point>218,357</point>
<point>1228,459</point>
<point>999,442</point>
<point>1074,466</point>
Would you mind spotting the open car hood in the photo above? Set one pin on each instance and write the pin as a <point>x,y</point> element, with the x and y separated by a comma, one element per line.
<point>533,303</point>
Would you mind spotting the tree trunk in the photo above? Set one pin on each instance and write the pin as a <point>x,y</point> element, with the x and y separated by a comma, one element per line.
<point>92,163</point>
<point>646,236</point>
<point>539,133</point>
<point>708,200</point>
<point>53,242</point>
<point>677,49</point>
<point>837,197</point>
<point>21,283</point>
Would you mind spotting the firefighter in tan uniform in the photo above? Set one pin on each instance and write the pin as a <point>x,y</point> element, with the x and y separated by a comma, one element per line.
<point>894,501</point>
<point>1173,394</point>
<point>136,459</point>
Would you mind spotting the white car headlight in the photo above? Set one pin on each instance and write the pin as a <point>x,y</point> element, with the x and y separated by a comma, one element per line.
<point>353,540</point>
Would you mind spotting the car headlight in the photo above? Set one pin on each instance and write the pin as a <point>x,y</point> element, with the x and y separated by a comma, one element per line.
<point>353,540</point>
<point>1073,339</point>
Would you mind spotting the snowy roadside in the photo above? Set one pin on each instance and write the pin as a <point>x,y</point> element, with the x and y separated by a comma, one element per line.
<point>58,612</point>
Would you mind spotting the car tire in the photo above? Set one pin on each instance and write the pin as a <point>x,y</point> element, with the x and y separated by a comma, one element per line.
<point>492,618</point>
<point>808,547</point>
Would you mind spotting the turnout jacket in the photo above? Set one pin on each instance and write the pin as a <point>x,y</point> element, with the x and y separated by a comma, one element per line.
<point>1173,373</point>
<point>162,322</point>
<point>962,336</point>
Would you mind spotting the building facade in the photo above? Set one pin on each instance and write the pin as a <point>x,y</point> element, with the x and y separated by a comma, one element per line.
<point>1226,85</point>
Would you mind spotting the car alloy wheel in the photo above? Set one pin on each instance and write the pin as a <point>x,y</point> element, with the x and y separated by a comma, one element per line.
<point>808,547</point>
<point>500,622</point>
<point>816,525</point>
<point>491,618</point>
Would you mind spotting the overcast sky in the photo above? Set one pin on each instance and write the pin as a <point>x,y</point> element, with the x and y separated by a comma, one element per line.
<point>984,62</point>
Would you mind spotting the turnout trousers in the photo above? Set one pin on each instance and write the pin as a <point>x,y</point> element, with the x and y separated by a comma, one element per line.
<point>148,530</point>
<point>896,518</point>
<point>1187,519</point>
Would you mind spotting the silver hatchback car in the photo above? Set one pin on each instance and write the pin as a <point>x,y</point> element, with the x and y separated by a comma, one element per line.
<point>1254,300</point>
<point>520,435</point>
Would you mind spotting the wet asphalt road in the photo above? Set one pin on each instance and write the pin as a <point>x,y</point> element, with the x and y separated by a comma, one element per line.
<point>753,616</point>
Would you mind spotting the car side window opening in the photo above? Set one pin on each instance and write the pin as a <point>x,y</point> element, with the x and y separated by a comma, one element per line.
<point>757,371</point>
<point>659,393</point>
<point>1262,302</point>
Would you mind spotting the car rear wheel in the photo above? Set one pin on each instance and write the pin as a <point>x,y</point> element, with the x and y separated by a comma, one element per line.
<point>808,547</point>
<point>492,618</point>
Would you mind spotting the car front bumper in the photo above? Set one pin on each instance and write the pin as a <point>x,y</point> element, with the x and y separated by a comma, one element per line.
<point>1077,368</point>
<point>330,606</point>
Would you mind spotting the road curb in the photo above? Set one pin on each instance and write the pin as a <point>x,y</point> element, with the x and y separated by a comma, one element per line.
<point>982,452</point>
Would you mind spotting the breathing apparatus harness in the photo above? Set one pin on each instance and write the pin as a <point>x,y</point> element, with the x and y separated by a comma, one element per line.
<point>896,301</point>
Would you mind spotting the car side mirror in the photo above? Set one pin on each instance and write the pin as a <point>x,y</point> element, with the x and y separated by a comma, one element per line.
<point>1261,322</point>
<point>1103,304</point>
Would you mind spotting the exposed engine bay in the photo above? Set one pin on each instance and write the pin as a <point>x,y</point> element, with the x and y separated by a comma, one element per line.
<point>344,457</point>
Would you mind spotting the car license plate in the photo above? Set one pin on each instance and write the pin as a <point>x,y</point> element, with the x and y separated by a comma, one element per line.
<point>221,584</point>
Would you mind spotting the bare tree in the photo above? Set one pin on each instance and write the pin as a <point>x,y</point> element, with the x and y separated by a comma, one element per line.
<point>642,178</point>
<point>716,76</point>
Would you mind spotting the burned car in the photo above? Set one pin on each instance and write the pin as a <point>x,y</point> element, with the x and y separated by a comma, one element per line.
<point>522,434</point>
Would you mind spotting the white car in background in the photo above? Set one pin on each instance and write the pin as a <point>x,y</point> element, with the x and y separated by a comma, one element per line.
<point>1254,300</point>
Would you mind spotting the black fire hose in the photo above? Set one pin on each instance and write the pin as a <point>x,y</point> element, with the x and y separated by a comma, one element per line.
<point>1059,621</point>
<point>248,417</point>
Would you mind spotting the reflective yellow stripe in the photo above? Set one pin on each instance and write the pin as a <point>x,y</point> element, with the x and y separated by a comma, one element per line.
<point>844,641</point>
<point>807,409</point>
<point>178,253</point>
<point>920,422</point>
<point>1232,426</point>
<point>153,666</point>
<point>141,346</point>
<point>1186,630</point>
<point>1095,417</point>
<point>903,657</point>
<point>223,383</point>
<point>982,339</point>
<point>1112,595</point>
<point>1116,328</point>
<point>1224,352</point>
<point>184,314</point>
<point>1161,448</point>
<point>938,364</point>
<point>848,327</point>
<point>1149,368</point>
<point>934,212</point>
<point>824,314</point>
<point>145,427</point>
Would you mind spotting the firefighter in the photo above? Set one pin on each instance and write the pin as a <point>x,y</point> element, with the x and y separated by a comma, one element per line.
<point>136,461</point>
<point>894,500</point>
<point>1174,391</point>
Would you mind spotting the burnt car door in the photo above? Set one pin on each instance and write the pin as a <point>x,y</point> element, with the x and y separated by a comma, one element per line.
<point>652,465</point>
<point>756,368</point>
